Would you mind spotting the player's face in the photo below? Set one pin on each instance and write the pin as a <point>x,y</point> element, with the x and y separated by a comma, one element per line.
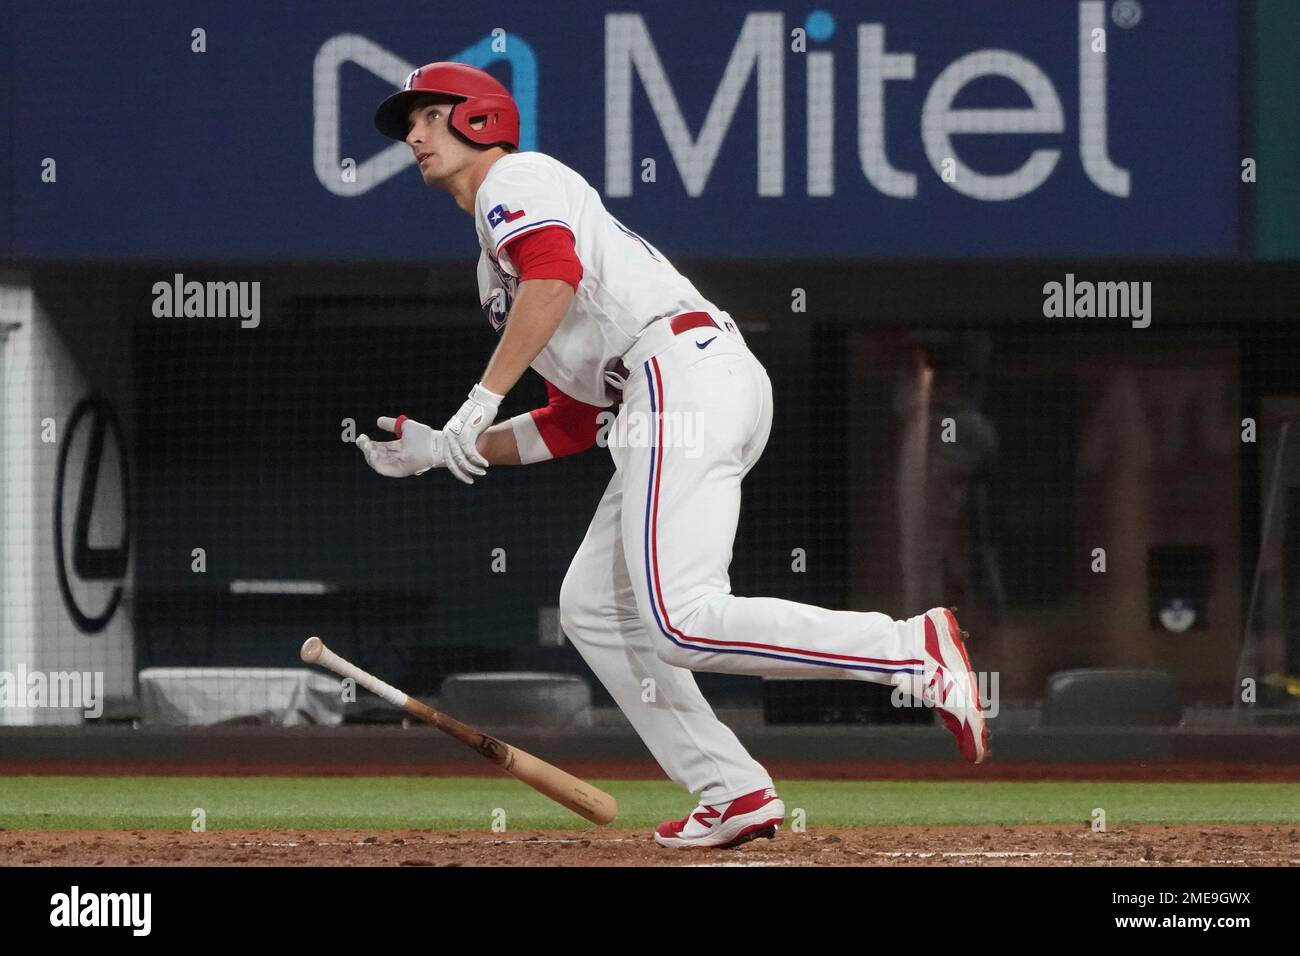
<point>438,151</point>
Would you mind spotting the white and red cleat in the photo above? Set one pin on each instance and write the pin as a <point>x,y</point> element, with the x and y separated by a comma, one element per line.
<point>950,684</point>
<point>723,825</point>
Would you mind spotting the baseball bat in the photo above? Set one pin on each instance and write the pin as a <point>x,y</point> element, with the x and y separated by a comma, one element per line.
<point>564,788</point>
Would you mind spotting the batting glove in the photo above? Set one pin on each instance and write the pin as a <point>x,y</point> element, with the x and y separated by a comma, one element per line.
<point>462,431</point>
<point>417,449</point>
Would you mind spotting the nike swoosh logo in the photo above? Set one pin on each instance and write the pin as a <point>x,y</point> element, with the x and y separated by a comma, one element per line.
<point>705,345</point>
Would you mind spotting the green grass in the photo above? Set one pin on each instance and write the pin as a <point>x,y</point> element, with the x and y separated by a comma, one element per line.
<point>166,803</point>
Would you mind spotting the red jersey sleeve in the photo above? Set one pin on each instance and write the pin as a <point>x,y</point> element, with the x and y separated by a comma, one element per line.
<point>566,425</point>
<point>546,254</point>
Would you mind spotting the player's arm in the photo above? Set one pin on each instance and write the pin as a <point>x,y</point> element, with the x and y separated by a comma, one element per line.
<point>563,426</point>
<point>539,308</point>
<point>549,272</point>
<point>499,445</point>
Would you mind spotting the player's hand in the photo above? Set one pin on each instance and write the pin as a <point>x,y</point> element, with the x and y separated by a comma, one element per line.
<point>417,449</point>
<point>461,434</point>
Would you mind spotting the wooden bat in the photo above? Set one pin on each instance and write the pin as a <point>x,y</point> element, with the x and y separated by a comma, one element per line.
<point>564,788</point>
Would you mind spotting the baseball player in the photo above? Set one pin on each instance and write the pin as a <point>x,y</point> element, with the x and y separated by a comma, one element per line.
<point>606,320</point>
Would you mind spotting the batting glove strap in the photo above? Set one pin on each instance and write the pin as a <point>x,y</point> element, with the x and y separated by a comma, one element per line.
<point>461,434</point>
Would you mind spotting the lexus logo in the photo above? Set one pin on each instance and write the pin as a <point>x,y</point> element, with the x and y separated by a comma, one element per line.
<point>90,563</point>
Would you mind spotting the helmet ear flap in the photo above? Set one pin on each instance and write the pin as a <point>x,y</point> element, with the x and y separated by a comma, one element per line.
<point>499,116</point>
<point>488,118</point>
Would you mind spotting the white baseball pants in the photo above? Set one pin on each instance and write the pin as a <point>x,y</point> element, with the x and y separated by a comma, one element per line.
<point>647,598</point>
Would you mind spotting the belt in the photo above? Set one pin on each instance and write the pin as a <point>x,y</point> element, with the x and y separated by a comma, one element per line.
<point>655,330</point>
<point>691,320</point>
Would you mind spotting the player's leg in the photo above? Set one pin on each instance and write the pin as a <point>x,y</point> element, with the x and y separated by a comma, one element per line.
<point>679,526</point>
<point>678,539</point>
<point>599,615</point>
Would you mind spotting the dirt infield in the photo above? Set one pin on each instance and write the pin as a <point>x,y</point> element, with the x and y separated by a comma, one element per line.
<point>1194,845</point>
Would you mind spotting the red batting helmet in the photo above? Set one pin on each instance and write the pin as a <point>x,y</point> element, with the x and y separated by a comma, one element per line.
<point>478,96</point>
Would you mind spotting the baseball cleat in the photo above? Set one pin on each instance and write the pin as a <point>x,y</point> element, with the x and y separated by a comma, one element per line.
<point>723,825</point>
<point>950,684</point>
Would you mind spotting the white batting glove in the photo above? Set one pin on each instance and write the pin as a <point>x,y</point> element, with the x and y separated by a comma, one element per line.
<point>462,430</point>
<point>417,449</point>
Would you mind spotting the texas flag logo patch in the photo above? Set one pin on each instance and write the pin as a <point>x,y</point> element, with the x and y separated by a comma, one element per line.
<point>502,213</point>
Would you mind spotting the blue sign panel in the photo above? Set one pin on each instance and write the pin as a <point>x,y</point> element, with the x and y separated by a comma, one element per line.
<point>242,131</point>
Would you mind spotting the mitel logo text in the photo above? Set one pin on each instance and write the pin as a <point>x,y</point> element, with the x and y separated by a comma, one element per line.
<point>761,54</point>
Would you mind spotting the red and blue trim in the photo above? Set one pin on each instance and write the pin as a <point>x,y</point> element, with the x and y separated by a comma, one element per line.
<point>530,227</point>
<point>654,382</point>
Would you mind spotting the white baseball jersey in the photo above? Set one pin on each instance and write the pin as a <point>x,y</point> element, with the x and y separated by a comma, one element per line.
<point>648,595</point>
<point>626,282</point>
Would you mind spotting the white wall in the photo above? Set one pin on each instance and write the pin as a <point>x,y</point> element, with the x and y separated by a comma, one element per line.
<point>47,366</point>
